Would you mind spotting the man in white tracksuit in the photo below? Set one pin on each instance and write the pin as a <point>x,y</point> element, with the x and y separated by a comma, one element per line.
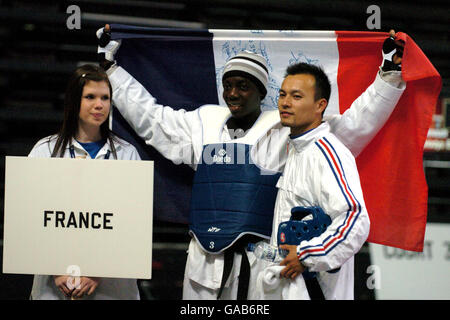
<point>320,171</point>
<point>234,186</point>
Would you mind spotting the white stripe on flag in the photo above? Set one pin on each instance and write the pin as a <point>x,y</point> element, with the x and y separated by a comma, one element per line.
<point>280,48</point>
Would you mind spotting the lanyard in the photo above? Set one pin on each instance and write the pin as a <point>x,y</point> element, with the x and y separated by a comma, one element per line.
<point>72,153</point>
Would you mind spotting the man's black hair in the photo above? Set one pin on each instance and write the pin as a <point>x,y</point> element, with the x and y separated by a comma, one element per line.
<point>322,88</point>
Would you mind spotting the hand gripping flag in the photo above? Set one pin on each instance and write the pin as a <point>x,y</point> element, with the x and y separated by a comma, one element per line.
<point>182,69</point>
<point>390,167</point>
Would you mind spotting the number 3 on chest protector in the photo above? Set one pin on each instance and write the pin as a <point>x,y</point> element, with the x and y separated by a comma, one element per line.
<point>211,245</point>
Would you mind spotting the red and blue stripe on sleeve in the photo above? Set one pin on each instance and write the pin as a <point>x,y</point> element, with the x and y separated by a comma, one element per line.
<point>354,206</point>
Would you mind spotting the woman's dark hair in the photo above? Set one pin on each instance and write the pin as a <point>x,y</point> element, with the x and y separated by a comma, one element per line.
<point>72,102</point>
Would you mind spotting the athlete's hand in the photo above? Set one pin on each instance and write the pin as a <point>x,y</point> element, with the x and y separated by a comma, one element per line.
<point>293,266</point>
<point>392,53</point>
<point>107,48</point>
<point>86,287</point>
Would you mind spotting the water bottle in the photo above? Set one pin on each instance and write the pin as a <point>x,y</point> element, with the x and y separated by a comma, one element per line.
<point>265,251</point>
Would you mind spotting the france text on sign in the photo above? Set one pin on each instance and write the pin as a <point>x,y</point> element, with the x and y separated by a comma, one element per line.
<point>96,215</point>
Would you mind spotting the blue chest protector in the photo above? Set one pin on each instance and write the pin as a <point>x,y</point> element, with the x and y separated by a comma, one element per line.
<point>230,197</point>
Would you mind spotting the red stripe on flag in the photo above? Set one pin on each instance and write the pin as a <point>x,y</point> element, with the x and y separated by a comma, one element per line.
<point>359,59</point>
<point>391,170</point>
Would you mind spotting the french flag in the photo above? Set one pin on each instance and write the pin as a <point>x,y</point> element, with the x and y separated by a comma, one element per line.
<point>182,69</point>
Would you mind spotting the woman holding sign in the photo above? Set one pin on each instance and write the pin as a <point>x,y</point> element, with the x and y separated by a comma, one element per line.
<point>85,134</point>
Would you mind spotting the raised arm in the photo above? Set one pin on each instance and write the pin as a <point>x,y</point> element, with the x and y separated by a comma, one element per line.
<point>359,124</point>
<point>170,131</point>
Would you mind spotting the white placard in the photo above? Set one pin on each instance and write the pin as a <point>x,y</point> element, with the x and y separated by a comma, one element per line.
<point>94,217</point>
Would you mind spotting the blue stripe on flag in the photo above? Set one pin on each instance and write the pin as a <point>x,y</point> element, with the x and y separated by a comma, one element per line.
<point>177,72</point>
<point>177,67</point>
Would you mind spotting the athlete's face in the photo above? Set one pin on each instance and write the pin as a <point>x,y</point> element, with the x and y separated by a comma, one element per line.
<point>297,105</point>
<point>95,103</point>
<point>241,96</point>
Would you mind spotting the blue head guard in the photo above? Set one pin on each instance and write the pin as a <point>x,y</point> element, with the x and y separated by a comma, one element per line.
<point>297,230</point>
